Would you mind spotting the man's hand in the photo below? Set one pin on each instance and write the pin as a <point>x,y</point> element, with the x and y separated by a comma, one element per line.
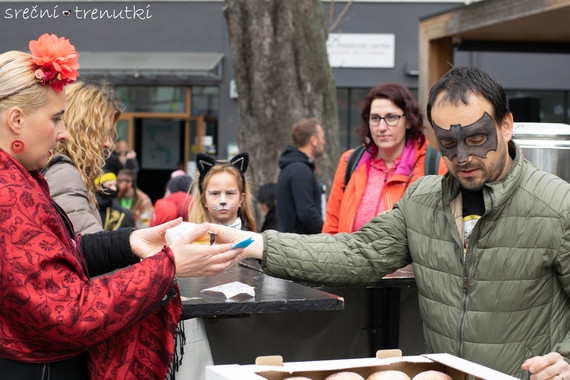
<point>197,260</point>
<point>148,241</point>
<point>551,366</point>
<point>233,236</point>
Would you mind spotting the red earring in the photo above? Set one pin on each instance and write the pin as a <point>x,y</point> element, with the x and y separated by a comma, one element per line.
<point>17,146</point>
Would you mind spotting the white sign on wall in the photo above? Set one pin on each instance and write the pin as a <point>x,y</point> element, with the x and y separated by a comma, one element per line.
<point>361,50</point>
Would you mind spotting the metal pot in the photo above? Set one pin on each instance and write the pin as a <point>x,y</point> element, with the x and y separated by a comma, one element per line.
<point>546,145</point>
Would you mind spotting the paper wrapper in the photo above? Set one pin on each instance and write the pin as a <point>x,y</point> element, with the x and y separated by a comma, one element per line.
<point>231,289</point>
<point>174,233</point>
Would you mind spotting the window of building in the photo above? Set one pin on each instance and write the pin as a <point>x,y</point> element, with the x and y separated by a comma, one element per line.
<point>166,126</point>
<point>540,106</point>
<point>350,101</point>
<point>205,100</point>
<point>154,99</point>
<point>526,105</point>
<point>122,130</point>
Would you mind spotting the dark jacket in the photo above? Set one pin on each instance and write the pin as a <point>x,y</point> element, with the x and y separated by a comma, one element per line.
<point>270,221</point>
<point>113,215</point>
<point>511,301</point>
<point>113,164</point>
<point>298,194</point>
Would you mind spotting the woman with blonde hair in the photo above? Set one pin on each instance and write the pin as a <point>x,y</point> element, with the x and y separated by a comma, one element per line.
<point>90,116</point>
<point>93,306</point>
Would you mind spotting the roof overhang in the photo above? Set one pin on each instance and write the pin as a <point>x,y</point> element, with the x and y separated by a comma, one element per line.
<point>155,67</point>
<point>490,25</point>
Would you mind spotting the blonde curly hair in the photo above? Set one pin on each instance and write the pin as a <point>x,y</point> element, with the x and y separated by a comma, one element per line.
<point>88,109</point>
<point>199,213</point>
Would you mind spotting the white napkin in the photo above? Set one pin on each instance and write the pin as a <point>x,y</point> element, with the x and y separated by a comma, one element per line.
<point>174,233</point>
<point>232,289</point>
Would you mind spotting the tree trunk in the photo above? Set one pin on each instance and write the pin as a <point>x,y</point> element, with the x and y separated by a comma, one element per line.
<point>282,74</point>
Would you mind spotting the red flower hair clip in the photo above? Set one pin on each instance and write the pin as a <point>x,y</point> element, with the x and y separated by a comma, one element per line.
<point>57,61</point>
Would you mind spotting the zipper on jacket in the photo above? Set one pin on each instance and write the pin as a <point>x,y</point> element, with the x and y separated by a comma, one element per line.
<point>465,286</point>
<point>462,319</point>
<point>470,249</point>
<point>467,265</point>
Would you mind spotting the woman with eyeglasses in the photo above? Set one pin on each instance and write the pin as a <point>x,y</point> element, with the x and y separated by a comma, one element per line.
<point>393,155</point>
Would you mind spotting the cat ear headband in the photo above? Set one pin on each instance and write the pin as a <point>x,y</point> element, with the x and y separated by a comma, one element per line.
<point>205,162</point>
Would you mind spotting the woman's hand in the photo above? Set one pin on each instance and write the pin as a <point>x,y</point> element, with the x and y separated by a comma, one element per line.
<point>197,260</point>
<point>148,241</point>
<point>233,236</point>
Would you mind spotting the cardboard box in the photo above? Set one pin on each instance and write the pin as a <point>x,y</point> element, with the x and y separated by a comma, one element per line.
<point>457,368</point>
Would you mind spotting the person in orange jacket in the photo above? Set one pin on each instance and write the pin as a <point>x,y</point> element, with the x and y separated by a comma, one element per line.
<point>393,155</point>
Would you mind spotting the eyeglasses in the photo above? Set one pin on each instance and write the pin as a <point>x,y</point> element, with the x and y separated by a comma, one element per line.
<point>390,120</point>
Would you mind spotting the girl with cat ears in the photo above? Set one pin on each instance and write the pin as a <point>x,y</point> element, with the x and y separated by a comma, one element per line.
<point>222,195</point>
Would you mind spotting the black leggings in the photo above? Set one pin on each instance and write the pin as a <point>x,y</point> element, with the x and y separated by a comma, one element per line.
<point>69,369</point>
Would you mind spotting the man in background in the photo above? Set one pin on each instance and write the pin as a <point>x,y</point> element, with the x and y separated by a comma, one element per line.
<point>298,191</point>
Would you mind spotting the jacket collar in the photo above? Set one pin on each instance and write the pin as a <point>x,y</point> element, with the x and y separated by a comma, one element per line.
<point>59,157</point>
<point>291,155</point>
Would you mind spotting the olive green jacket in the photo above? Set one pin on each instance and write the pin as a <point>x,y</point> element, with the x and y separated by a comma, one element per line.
<point>511,300</point>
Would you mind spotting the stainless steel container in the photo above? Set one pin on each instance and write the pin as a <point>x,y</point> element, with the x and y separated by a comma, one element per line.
<point>546,145</point>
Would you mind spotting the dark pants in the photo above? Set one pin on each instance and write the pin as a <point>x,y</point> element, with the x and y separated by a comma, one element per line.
<point>70,369</point>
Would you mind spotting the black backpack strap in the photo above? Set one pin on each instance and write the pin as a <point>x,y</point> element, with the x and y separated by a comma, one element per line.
<point>353,160</point>
<point>431,164</point>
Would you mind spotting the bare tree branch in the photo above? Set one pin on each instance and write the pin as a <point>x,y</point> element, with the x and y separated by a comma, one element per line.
<point>331,16</point>
<point>334,25</point>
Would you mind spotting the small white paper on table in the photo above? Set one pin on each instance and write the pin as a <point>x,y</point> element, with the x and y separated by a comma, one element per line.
<point>231,289</point>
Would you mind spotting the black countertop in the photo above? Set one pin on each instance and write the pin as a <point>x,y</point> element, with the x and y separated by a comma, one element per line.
<point>272,295</point>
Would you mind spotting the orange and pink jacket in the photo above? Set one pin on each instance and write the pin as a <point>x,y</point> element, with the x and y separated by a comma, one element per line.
<point>342,205</point>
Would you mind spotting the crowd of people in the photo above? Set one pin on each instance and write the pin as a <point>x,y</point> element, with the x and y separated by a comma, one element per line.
<point>87,275</point>
<point>75,306</point>
<point>489,240</point>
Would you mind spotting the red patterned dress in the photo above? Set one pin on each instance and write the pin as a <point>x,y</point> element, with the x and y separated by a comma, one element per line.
<point>123,324</point>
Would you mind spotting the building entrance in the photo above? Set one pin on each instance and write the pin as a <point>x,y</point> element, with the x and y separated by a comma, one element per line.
<point>163,143</point>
